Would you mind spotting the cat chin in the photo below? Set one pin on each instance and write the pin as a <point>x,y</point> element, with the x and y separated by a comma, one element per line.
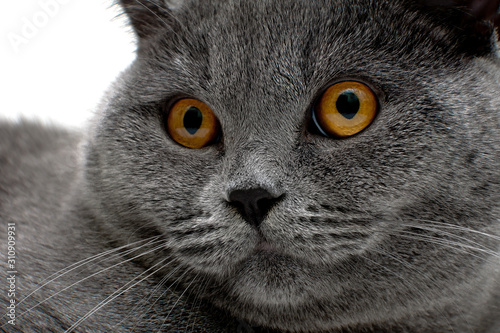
<point>295,308</point>
<point>308,297</point>
<point>254,283</point>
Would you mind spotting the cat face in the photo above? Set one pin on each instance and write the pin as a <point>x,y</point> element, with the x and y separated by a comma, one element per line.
<point>343,230</point>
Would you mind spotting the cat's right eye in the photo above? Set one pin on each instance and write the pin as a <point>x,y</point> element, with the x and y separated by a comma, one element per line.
<point>192,124</point>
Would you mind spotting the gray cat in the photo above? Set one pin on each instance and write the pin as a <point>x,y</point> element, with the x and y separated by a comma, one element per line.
<point>269,166</point>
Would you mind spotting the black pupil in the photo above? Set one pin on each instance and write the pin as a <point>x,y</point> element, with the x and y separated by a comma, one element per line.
<point>192,120</point>
<point>348,104</point>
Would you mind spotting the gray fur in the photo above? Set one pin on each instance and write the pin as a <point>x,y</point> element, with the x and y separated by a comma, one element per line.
<point>395,229</point>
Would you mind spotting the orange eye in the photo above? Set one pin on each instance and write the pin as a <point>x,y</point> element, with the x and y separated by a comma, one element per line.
<point>345,109</point>
<point>192,124</point>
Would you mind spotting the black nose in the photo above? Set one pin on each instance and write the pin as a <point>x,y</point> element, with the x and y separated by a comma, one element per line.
<point>253,204</point>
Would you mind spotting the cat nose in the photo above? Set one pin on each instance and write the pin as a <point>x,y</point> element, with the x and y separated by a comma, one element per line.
<point>253,204</point>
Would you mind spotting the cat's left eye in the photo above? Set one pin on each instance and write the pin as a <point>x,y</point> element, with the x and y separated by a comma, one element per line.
<point>345,108</point>
<point>192,124</point>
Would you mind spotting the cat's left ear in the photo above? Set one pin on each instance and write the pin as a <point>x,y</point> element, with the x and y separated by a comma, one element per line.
<point>148,16</point>
<point>486,10</point>
<point>473,22</point>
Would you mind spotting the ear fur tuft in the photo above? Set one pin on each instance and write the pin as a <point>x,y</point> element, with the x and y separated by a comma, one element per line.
<point>146,16</point>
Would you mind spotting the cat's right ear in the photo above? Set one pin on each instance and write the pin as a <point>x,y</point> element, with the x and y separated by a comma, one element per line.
<point>148,16</point>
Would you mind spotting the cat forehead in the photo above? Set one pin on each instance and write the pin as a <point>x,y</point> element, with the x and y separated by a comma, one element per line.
<point>455,26</point>
<point>219,47</point>
<point>288,38</point>
<point>258,26</point>
<point>251,20</point>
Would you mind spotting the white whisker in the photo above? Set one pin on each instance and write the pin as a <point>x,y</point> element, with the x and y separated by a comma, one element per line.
<point>197,303</point>
<point>460,228</point>
<point>449,244</point>
<point>123,289</point>
<point>449,234</point>
<point>88,277</point>
<point>157,288</point>
<point>86,261</point>
<point>175,304</point>
<point>403,279</point>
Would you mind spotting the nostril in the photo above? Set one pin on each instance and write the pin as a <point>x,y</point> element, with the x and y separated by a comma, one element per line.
<point>265,204</point>
<point>253,204</point>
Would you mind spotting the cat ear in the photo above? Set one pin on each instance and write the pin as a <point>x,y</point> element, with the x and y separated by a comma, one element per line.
<point>481,10</point>
<point>488,10</point>
<point>148,16</point>
<point>473,21</point>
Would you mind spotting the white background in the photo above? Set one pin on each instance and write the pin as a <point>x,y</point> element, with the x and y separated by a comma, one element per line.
<point>57,58</point>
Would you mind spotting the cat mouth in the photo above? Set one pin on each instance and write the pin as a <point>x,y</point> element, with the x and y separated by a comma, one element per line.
<point>265,246</point>
<point>268,250</point>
